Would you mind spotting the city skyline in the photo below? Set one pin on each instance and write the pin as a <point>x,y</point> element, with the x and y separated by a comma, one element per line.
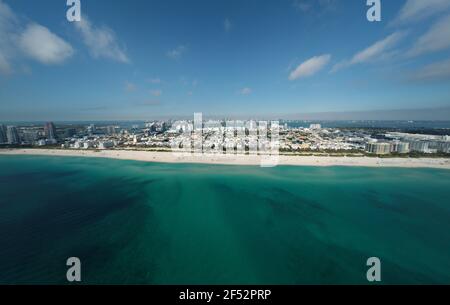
<point>142,60</point>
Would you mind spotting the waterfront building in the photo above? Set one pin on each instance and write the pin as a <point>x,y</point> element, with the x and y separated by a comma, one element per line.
<point>420,146</point>
<point>3,134</point>
<point>70,132</point>
<point>12,135</point>
<point>88,144</point>
<point>91,129</point>
<point>182,127</point>
<point>105,145</point>
<point>378,148</point>
<point>151,127</point>
<point>443,147</point>
<point>50,131</point>
<point>30,136</point>
<point>315,126</point>
<point>400,147</point>
<point>161,127</point>
<point>111,130</point>
<point>78,144</point>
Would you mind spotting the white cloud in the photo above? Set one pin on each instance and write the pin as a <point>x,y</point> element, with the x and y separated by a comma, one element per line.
<point>245,91</point>
<point>101,41</point>
<point>177,52</point>
<point>227,25</point>
<point>435,71</point>
<point>44,46</point>
<point>376,51</point>
<point>377,48</point>
<point>5,67</point>
<point>310,67</point>
<point>154,81</point>
<point>437,38</point>
<point>9,31</point>
<point>148,103</point>
<point>156,92</point>
<point>32,40</point>
<point>188,82</point>
<point>415,10</point>
<point>302,5</point>
<point>5,12</point>
<point>130,87</point>
<point>306,6</point>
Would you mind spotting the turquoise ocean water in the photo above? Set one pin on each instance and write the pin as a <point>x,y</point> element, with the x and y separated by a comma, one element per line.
<point>150,223</point>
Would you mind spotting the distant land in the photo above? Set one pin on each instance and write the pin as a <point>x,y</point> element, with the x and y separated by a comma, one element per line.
<point>418,114</point>
<point>424,114</point>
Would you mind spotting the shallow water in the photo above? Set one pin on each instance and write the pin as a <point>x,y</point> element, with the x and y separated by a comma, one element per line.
<point>150,223</point>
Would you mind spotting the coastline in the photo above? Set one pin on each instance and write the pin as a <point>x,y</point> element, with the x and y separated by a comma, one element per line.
<point>169,157</point>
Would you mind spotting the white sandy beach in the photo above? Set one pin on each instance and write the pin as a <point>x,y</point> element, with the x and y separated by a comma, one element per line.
<point>171,157</point>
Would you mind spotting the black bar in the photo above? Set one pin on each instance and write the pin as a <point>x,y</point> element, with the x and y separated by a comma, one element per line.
<point>232,294</point>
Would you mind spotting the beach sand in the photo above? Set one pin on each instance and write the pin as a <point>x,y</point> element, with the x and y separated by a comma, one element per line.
<point>173,157</point>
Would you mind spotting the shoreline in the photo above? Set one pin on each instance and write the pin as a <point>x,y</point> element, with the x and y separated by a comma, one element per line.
<point>169,157</point>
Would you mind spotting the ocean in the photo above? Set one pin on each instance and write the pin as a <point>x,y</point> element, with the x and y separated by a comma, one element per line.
<point>151,223</point>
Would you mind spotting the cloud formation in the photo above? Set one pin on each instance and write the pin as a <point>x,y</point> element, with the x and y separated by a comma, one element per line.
<point>177,52</point>
<point>310,67</point>
<point>306,6</point>
<point>432,72</point>
<point>245,91</point>
<point>5,67</point>
<point>101,41</point>
<point>375,51</point>
<point>416,10</point>
<point>154,81</point>
<point>156,92</point>
<point>148,103</point>
<point>130,87</point>
<point>8,33</point>
<point>44,46</point>
<point>20,39</point>
<point>437,38</point>
<point>227,25</point>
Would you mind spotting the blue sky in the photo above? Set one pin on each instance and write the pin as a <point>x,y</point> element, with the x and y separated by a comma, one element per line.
<point>140,59</point>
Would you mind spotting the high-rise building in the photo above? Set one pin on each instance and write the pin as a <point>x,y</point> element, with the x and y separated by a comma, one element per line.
<point>50,131</point>
<point>378,148</point>
<point>91,129</point>
<point>443,147</point>
<point>111,130</point>
<point>13,135</point>
<point>105,144</point>
<point>400,147</point>
<point>420,146</point>
<point>30,136</point>
<point>3,134</point>
<point>70,132</point>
